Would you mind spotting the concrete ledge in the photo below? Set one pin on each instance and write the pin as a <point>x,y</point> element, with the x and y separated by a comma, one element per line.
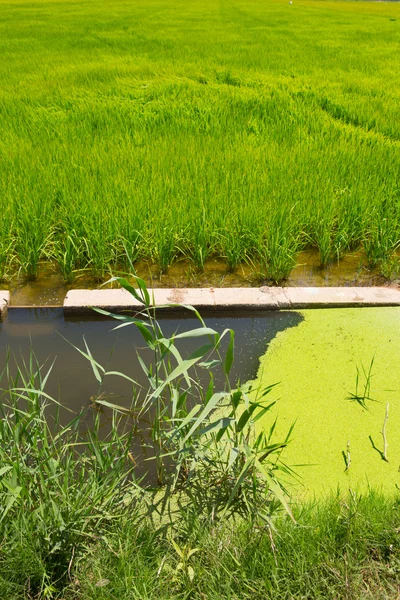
<point>82,301</point>
<point>225,298</point>
<point>264,298</point>
<point>340,297</point>
<point>4,303</point>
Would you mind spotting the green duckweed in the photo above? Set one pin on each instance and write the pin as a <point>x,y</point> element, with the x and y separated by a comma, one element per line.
<point>316,364</point>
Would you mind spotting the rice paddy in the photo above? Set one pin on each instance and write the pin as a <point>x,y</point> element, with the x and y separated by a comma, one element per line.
<point>158,130</point>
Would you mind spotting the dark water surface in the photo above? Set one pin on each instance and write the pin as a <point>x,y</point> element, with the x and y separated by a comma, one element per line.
<point>72,380</point>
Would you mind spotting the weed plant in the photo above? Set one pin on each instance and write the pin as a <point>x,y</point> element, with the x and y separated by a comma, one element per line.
<point>61,486</point>
<point>198,127</point>
<point>59,490</point>
<point>208,435</point>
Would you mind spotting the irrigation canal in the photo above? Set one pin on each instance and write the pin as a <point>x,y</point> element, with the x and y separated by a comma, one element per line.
<point>51,335</point>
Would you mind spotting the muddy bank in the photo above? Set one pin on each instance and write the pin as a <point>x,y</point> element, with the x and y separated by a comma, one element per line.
<point>49,289</point>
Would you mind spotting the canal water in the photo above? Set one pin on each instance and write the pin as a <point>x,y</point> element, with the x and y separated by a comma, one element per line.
<point>51,336</point>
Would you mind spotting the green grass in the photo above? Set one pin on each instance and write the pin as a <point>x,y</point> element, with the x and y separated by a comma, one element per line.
<point>155,129</point>
<point>340,549</point>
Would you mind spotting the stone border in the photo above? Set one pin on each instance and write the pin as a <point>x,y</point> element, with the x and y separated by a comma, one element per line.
<point>263,298</point>
<point>4,303</point>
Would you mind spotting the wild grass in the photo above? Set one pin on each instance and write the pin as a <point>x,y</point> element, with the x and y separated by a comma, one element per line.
<point>60,487</point>
<point>75,522</point>
<point>340,548</point>
<point>159,129</point>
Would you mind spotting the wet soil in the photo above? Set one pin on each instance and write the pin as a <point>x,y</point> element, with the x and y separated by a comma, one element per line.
<point>49,289</point>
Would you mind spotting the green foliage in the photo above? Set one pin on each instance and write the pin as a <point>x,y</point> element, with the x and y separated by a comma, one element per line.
<point>207,456</point>
<point>361,396</point>
<point>63,485</point>
<point>60,487</point>
<point>201,144</point>
<point>340,548</point>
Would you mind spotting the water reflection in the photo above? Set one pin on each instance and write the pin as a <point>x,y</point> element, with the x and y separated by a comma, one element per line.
<point>51,335</point>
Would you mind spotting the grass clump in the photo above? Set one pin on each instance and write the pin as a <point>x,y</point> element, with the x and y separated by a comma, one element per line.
<point>340,548</point>
<point>59,490</point>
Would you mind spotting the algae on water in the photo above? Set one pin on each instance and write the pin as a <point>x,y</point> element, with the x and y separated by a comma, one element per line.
<point>316,364</point>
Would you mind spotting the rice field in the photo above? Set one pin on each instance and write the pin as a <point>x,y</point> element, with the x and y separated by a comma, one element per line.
<point>155,130</point>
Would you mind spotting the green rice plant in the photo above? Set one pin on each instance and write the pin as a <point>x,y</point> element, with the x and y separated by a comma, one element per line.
<point>129,249</point>
<point>235,242</point>
<point>165,244</point>
<point>347,234</point>
<point>323,230</point>
<point>68,253</point>
<point>227,78</point>
<point>381,238</point>
<point>33,234</point>
<point>6,257</point>
<point>278,248</point>
<point>100,247</point>
<point>129,243</point>
<point>196,143</point>
<point>390,267</point>
<point>100,253</point>
<point>232,248</point>
<point>325,226</point>
<point>198,246</point>
<point>7,243</point>
<point>130,231</point>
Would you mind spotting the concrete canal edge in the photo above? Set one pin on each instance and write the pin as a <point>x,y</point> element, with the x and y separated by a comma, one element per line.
<point>226,299</point>
<point>4,303</point>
